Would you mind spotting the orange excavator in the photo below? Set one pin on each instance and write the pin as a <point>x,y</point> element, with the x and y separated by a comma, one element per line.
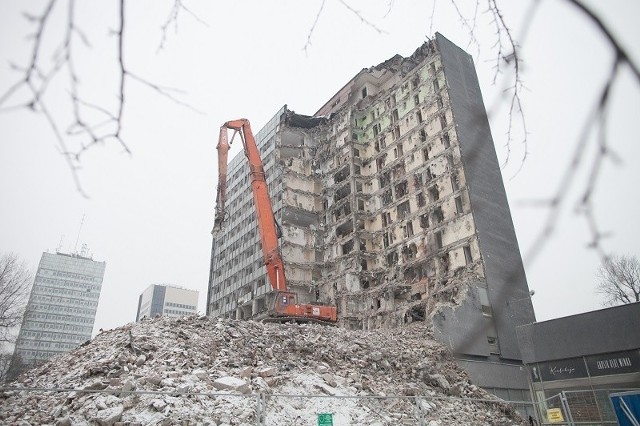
<point>285,307</point>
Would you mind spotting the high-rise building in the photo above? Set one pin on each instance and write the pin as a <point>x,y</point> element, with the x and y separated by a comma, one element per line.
<point>169,300</point>
<point>61,308</point>
<point>393,209</point>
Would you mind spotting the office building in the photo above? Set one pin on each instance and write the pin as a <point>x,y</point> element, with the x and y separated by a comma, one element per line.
<point>62,307</point>
<point>392,209</point>
<point>169,300</point>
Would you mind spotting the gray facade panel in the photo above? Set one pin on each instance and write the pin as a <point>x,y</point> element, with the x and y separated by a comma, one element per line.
<point>455,326</point>
<point>157,301</point>
<point>505,274</point>
<point>496,375</point>
<point>606,330</point>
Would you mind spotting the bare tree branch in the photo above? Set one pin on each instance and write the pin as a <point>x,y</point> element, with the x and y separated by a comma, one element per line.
<point>15,282</point>
<point>357,13</point>
<point>82,133</point>
<point>619,280</point>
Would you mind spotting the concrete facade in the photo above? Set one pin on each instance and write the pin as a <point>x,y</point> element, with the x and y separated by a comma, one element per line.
<point>392,208</point>
<point>164,299</point>
<point>62,307</point>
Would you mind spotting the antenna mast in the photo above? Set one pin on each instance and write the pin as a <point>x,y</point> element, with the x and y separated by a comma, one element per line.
<point>78,237</point>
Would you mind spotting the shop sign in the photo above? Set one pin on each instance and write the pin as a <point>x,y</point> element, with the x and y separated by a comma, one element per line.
<point>616,363</point>
<point>563,369</point>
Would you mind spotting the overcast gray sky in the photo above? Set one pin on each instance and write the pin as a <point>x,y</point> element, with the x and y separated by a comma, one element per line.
<point>149,214</point>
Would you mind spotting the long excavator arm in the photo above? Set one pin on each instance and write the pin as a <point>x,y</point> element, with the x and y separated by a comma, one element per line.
<point>264,209</point>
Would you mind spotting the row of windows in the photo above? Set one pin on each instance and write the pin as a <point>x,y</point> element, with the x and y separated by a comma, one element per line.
<point>75,276</point>
<point>180,305</point>
<point>68,284</point>
<point>58,308</point>
<point>34,344</point>
<point>84,294</point>
<point>32,325</point>
<point>37,354</point>
<point>63,300</point>
<point>65,318</point>
<point>54,336</point>
<point>177,312</point>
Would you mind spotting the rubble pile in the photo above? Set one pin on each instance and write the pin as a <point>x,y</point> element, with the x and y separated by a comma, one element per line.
<point>164,372</point>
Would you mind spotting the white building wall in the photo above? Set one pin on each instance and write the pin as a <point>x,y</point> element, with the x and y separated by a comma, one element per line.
<point>62,306</point>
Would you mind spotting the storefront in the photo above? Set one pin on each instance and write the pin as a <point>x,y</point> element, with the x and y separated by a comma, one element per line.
<point>575,362</point>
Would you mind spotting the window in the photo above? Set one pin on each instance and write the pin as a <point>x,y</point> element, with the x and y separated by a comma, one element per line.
<point>443,123</point>
<point>445,136</point>
<point>394,116</point>
<point>434,194</point>
<point>467,254</point>
<point>396,133</point>
<point>438,238</point>
<point>419,116</point>
<point>493,345</point>
<point>408,230</point>
<point>454,183</point>
<point>364,92</point>
<point>423,137</point>
<point>459,208</point>
<point>416,100</point>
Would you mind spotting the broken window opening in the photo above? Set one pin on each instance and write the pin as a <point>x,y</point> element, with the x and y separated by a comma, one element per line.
<point>408,230</point>
<point>459,208</point>
<point>443,121</point>
<point>401,189</point>
<point>454,182</point>
<point>347,247</point>
<point>436,85</point>
<point>468,258</point>
<point>387,197</point>
<point>421,199</point>
<point>438,215</point>
<point>396,133</point>
<point>416,100</point>
<point>417,313</point>
<point>376,129</point>
<point>394,116</point>
<point>360,205</point>
<point>428,175</point>
<point>434,194</point>
<point>419,116</point>
<point>417,180</point>
<point>424,221</point>
<point>364,92</point>
<point>445,139</point>
<point>392,258</point>
<point>385,240</point>
<point>438,239</point>
<point>399,171</point>
<point>403,209</point>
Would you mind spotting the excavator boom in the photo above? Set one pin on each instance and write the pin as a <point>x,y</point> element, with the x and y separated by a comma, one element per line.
<point>285,305</point>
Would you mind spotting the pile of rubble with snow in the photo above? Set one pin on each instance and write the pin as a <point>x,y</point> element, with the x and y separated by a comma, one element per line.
<point>197,370</point>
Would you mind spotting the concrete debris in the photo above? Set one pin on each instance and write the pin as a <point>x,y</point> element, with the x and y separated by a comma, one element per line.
<point>190,358</point>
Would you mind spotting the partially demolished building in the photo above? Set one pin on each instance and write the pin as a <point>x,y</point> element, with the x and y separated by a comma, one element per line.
<point>392,208</point>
